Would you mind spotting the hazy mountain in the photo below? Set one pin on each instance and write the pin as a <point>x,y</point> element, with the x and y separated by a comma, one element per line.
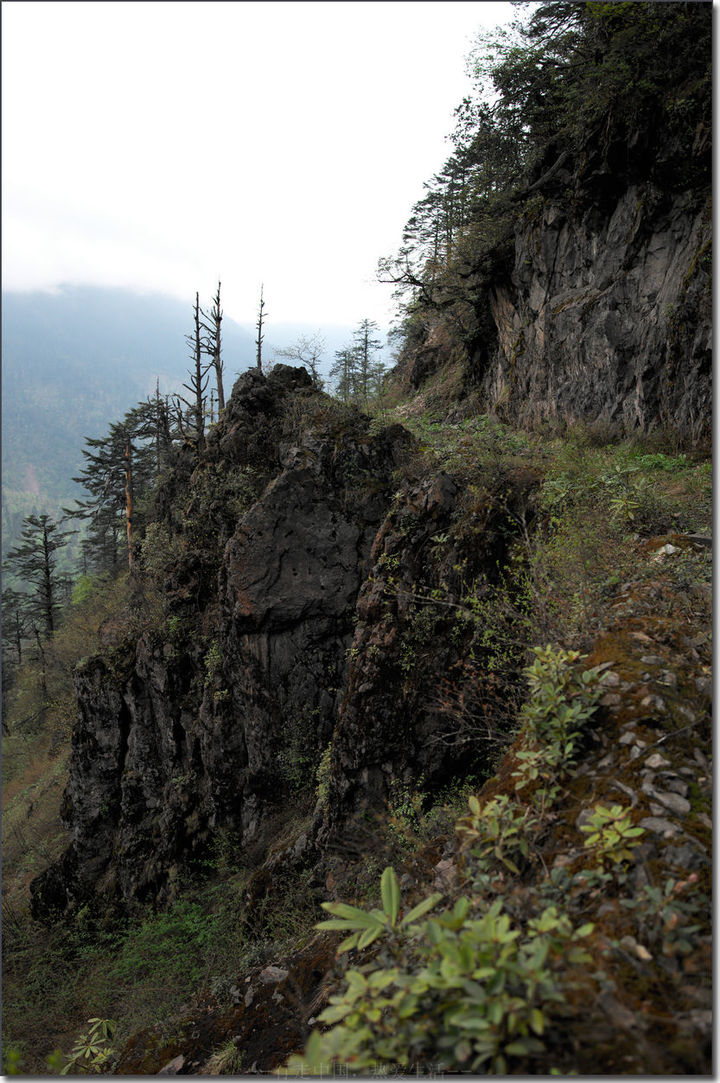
<point>75,360</point>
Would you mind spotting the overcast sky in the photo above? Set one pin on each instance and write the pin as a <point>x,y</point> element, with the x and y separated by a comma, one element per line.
<point>162,146</point>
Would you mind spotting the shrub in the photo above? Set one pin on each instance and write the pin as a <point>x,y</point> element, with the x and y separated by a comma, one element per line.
<point>610,834</point>
<point>562,699</point>
<point>93,1050</point>
<point>458,992</point>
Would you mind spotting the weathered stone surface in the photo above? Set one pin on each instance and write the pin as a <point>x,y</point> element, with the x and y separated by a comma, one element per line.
<point>201,719</point>
<point>92,799</point>
<point>608,318</point>
<point>415,704</point>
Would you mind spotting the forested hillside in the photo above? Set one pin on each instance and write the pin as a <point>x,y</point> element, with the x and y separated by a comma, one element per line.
<point>376,736</point>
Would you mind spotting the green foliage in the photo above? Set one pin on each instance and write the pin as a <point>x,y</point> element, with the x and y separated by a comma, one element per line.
<point>120,471</point>
<point>669,915</point>
<point>83,589</point>
<point>34,561</point>
<point>499,831</point>
<point>456,991</point>
<point>93,1050</point>
<point>12,1059</point>
<point>610,834</point>
<point>562,699</point>
<point>366,926</point>
<point>593,500</point>
<point>322,778</point>
<point>213,662</point>
<point>170,947</point>
<point>565,86</point>
<point>657,460</point>
<point>161,550</point>
<point>404,823</point>
<point>417,633</point>
<point>357,373</point>
<point>464,447</point>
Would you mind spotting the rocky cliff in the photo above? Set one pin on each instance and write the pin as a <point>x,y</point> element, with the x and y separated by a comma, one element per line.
<point>288,597</point>
<point>608,315</point>
<point>599,310</point>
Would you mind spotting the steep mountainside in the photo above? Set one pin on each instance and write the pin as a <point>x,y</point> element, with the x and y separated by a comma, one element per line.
<point>290,553</point>
<point>604,315</point>
<point>462,647</point>
<point>319,600</point>
<point>608,314</point>
<point>260,565</point>
<point>584,294</point>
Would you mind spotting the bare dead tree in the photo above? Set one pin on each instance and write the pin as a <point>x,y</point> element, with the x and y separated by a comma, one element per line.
<point>212,344</point>
<point>197,383</point>
<point>308,350</point>
<point>259,339</point>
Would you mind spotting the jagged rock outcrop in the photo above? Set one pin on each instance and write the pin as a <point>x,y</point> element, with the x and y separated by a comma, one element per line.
<point>608,317</point>
<point>199,716</point>
<point>596,303</point>
<point>294,552</point>
<point>422,700</point>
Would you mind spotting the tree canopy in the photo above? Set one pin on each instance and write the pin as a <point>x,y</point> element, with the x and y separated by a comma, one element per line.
<point>570,92</point>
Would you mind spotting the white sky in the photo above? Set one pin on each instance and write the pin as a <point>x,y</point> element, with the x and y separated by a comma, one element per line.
<point>162,146</point>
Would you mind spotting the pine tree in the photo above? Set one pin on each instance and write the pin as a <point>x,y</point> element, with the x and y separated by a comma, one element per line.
<point>34,561</point>
<point>120,469</point>
<point>152,422</point>
<point>343,374</point>
<point>15,623</point>
<point>367,363</point>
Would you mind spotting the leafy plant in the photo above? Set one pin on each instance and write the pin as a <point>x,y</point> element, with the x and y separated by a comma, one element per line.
<point>659,461</point>
<point>561,700</point>
<point>366,926</point>
<point>610,834</point>
<point>667,919</point>
<point>461,992</point>
<point>93,1049</point>
<point>498,831</point>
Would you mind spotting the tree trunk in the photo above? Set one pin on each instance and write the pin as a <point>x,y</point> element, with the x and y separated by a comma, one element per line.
<point>129,505</point>
<point>259,339</point>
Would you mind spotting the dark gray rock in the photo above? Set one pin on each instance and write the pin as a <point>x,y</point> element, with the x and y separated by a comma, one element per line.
<point>221,711</point>
<point>398,721</point>
<point>609,318</point>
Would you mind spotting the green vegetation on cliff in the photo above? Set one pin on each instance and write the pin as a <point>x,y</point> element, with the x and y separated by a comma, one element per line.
<point>599,504</point>
<point>467,659</point>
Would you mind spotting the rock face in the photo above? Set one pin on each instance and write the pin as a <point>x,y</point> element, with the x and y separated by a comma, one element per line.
<point>203,717</point>
<point>608,317</point>
<point>423,701</point>
<point>305,601</point>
